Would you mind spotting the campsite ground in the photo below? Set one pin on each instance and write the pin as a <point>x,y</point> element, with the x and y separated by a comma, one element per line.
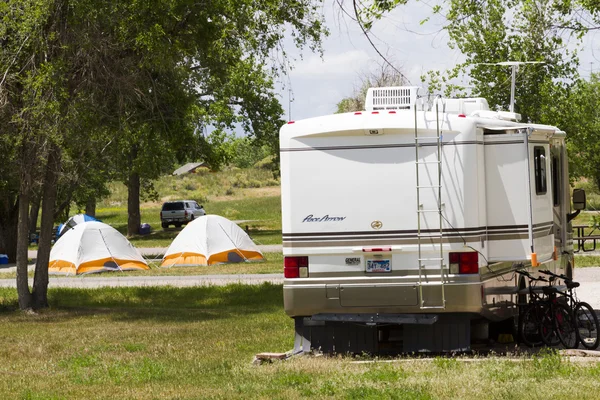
<point>165,342</point>
<point>199,342</point>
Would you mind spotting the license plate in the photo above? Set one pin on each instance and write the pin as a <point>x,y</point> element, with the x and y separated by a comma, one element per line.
<point>379,265</point>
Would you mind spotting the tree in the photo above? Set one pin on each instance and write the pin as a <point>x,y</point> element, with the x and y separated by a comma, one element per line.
<point>580,118</point>
<point>495,31</point>
<point>136,77</point>
<point>386,75</point>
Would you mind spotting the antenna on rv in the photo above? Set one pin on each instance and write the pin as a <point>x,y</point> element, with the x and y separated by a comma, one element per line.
<point>514,65</point>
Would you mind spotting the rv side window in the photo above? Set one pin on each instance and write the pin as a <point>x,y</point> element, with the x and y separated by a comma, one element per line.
<point>555,185</point>
<point>539,156</point>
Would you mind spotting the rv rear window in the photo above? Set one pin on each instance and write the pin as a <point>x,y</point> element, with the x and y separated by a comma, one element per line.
<point>539,157</point>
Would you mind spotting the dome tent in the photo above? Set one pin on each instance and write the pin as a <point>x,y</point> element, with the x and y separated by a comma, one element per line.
<point>209,240</point>
<point>94,247</point>
<point>71,222</point>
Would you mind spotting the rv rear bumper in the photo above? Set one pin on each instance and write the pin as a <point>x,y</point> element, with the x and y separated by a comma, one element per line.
<point>306,299</point>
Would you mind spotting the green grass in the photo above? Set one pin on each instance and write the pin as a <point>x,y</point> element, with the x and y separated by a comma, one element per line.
<point>582,261</point>
<point>252,195</point>
<point>190,343</point>
<point>263,216</point>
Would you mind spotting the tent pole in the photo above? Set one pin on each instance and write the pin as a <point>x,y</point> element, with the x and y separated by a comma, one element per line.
<point>109,252</point>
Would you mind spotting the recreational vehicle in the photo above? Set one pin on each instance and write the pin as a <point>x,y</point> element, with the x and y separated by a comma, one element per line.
<point>403,224</point>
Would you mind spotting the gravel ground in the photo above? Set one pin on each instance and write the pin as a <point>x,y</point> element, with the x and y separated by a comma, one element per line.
<point>589,291</point>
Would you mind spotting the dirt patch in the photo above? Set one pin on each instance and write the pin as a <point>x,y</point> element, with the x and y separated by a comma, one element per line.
<point>239,194</point>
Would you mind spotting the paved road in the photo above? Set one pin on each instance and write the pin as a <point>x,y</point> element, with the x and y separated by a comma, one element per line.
<point>589,290</point>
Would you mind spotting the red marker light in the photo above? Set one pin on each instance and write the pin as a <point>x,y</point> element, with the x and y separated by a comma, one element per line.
<point>357,113</point>
<point>376,249</point>
<point>291,122</point>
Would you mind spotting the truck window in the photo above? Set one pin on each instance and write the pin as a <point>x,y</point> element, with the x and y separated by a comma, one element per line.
<point>539,164</point>
<point>172,206</point>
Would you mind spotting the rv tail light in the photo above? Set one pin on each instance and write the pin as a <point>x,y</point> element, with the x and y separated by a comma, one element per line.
<point>358,113</point>
<point>291,122</point>
<point>376,249</point>
<point>295,267</point>
<point>464,263</point>
<point>392,112</point>
<point>462,116</point>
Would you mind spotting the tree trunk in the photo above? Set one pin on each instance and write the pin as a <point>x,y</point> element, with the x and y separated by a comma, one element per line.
<point>33,212</point>
<point>22,245</point>
<point>133,204</point>
<point>40,280</point>
<point>9,218</point>
<point>90,207</point>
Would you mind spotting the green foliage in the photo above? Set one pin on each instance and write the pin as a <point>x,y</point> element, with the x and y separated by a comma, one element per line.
<point>246,153</point>
<point>581,120</point>
<point>508,30</point>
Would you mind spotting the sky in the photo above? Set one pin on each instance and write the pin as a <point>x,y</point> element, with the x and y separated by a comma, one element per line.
<point>315,85</point>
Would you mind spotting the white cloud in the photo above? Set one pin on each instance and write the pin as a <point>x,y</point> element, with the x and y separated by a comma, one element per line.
<point>347,63</point>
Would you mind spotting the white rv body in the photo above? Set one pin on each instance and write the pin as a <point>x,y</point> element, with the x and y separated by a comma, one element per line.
<point>349,196</point>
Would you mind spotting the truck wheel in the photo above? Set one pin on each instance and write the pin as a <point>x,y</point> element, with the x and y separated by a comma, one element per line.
<point>192,217</point>
<point>164,225</point>
<point>177,224</point>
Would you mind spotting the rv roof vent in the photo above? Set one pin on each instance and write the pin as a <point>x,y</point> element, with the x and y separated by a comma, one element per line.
<point>465,106</point>
<point>391,98</point>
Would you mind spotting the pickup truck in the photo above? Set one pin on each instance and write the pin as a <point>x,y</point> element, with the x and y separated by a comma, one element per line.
<point>180,212</point>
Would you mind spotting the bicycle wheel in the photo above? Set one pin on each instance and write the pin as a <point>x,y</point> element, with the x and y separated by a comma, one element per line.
<point>565,325</point>
<point>529,327</point>
<point>548,331</point>
<point>588,330</point>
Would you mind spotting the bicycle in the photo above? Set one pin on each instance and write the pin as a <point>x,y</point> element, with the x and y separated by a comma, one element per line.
<point>544,319</point>
<point>588,326</point>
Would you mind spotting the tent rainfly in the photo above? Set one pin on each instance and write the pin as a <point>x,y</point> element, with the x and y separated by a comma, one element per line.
<point>208,240</point>
<point>71,222</point>
<point>94,247</point>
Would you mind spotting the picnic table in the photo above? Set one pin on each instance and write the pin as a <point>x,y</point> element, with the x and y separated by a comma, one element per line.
<point>581,237</point>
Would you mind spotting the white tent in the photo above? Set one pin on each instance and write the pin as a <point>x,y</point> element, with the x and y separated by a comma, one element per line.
<point>209,240</point>
<point>74,220</point>
<point>94,247</point>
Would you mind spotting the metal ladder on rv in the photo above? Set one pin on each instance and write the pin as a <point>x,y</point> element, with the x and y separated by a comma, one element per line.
<point>426,237</point>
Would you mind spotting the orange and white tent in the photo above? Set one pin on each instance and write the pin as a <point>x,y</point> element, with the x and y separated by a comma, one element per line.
<point>209,240</point>
<point>94,247</point>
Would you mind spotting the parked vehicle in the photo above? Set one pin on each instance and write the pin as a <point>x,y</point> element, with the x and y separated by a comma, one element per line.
<point>180,212</point>
<point>403,225</point>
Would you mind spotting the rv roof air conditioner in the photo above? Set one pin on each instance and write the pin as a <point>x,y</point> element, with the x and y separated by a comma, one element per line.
<point>391,98</point>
